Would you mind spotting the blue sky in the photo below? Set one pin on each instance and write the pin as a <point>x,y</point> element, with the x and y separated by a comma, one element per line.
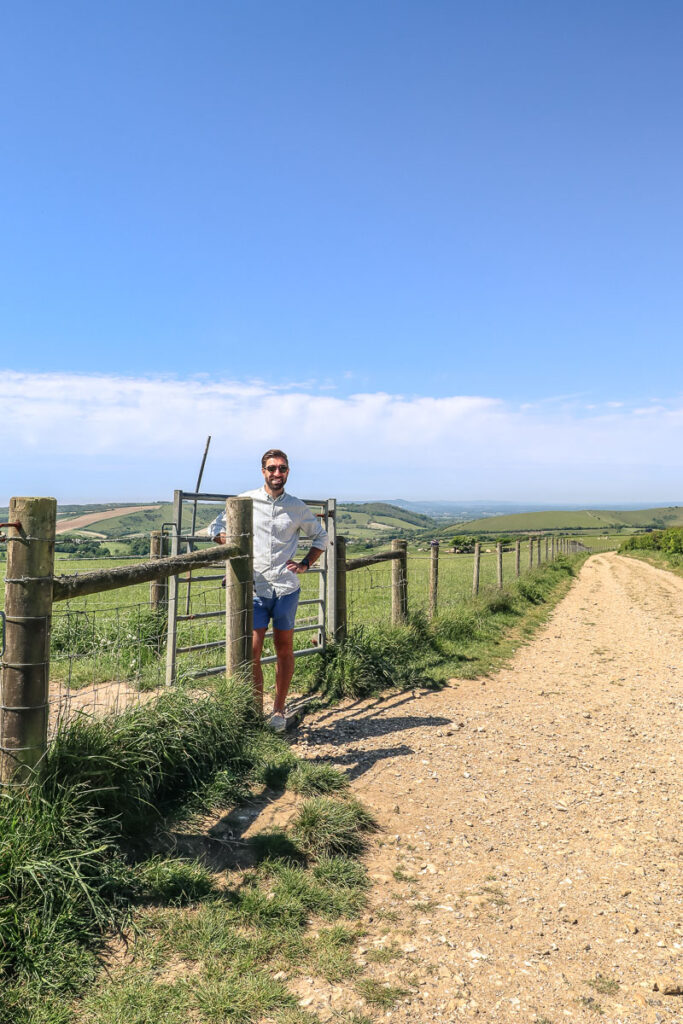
<point>327,219</point>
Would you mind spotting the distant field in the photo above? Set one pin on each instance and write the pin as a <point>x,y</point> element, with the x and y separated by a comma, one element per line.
<point>601,521</point>
<point>153,518</point>
<point>89,519</point>
<point>373,522</point>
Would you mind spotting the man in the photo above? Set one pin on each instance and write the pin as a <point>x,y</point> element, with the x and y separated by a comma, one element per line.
<point>279,518</point>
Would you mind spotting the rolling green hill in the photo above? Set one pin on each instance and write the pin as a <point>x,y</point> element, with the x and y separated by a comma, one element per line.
<point>378,521</point>
<point>374,522</point>
<point>594,521</point>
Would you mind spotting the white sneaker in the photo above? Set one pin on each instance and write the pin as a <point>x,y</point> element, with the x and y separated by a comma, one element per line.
<point>278,723</point>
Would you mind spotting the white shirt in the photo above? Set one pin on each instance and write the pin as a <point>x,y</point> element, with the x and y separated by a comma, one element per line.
<point>277,525</point>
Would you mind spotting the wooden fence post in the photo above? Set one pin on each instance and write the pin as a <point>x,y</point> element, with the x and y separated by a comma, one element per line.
<point>340,625</point>
<point>239,588</point>
<point>330,561</point>
<point>25,667</point>
<point>499,564</point>
<point>546,549</point>
<point>158,589</point>
<point>518,549</point>
<point>531,552</point>
<point>538,551</point>
<point>399,584</point>
<point>552,548</point>
<point>434,579</point>
<point>475,576</point>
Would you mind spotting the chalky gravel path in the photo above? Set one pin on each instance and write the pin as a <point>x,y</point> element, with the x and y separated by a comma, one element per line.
<point>529,867</point>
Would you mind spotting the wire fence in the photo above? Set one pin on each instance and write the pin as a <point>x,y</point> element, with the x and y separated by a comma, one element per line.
<point>369,588</point>
<point>111,649</point>
<point>107,654</point>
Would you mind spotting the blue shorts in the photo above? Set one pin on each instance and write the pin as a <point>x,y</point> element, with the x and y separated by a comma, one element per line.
<point>282,610</point>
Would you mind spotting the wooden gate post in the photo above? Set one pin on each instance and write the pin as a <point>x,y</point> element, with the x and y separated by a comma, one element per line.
<point>339,625</point>
<point>239,588</point>
<point>518,548</point>
<point>499,564</point>
<point>158,589</point>
<point>434,579</point>
<point>475,575</point>
<point>399,583</point>
<point>25,666</point>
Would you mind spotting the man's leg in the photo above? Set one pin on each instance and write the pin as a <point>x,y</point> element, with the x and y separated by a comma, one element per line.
<point>257,670</point>
<point>284,650</point>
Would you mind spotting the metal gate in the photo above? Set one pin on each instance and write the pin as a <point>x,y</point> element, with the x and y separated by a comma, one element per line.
<point>181,531</point>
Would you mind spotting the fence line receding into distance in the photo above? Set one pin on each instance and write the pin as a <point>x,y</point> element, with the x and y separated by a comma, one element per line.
<point>68,646</point>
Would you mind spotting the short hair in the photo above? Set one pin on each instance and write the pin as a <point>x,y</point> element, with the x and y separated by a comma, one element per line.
<point>273,453</point>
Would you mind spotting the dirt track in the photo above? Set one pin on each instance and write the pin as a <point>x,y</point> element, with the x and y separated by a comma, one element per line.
<point>532,821</point>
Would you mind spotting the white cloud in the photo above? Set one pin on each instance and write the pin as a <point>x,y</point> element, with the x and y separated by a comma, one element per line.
<point>141,437</point>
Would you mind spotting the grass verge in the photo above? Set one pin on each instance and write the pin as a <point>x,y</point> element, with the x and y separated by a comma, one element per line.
<point>671,561</point>
<point>77,865</point>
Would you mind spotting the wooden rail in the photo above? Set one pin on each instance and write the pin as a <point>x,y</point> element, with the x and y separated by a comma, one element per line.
<point>66,587</point>
<point>365,560</point>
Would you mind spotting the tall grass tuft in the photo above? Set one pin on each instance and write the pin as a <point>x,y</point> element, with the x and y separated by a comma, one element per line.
<point>329,827</point>
<point>140,764</point>
<point>368,662</point>
<point>64,877</point>
<point>311,778</point>
<point>60,875</point>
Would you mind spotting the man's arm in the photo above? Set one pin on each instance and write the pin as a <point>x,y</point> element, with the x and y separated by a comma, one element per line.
<point>305,564</point>
<point>312,528</point>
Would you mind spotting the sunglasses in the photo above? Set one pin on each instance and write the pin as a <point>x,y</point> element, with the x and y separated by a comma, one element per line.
<point>277,469</point>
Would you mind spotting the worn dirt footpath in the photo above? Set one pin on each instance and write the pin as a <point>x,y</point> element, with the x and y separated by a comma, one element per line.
<point>531,821</point>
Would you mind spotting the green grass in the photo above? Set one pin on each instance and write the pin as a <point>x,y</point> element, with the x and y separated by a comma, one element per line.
<point>327,827</point>
<point>78,862</point>
<point>314,779</point>
<point>670,561</point>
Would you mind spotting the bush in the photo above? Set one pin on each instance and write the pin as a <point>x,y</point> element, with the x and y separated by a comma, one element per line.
<point>643,542</point>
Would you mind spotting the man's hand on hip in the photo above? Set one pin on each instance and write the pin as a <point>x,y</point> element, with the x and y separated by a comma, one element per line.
<point>297,567</point>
